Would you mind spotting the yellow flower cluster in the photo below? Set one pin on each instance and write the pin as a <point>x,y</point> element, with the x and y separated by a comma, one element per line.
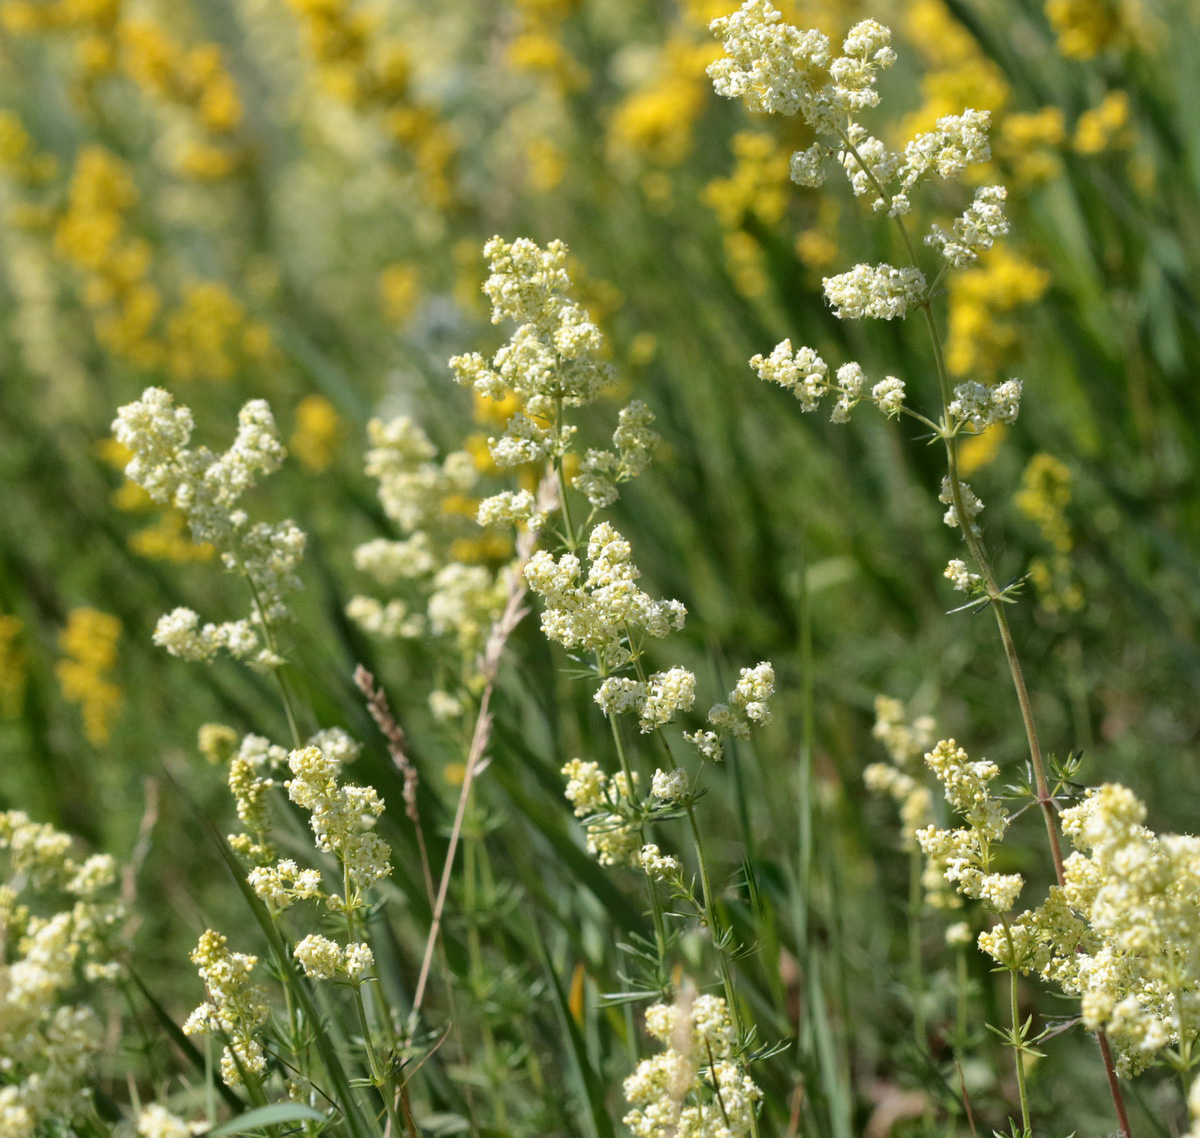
<point>1043,498</point>
<point>91,235</point>
<point>19,158</point>
<point>12,667</point>
<point>962,75</point>
<point>93,23</point>
<point>372,73</point>
<point>192,79</point>
<point>1105,126</point>
<point>1083,28</point>
<point>89,648</point>
<point>318,431</point>
<point>209,336</point>
<point>756,191</point>
<point>399,292</point>
<point>979,339</point>
<point>655,122</point>
<point>538,47</point>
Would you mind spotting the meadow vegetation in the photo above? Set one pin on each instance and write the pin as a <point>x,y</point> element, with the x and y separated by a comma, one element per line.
<point>444,690</point>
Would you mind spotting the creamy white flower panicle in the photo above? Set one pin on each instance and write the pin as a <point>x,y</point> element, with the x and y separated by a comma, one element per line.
<point>604,803</point>
<point>802,372</point>
<point>1123,934</point>
<point>878,291</point>
<point>748,706</point>
<point>956,142</point>
<point>553,357</point>
<point>971,504</point>
<point>981,405</point>
<point>960,577</point>
<point>601,610</point>
<point>694,1088</point>
<point>206,488</point>
<point>975,231</point>
<point>324,959</point>
<point>777,68</point>
<point>602,471</point>
<point>50,1039</point>
<point>965,855</point>
<point>235,1008</point>
<point>511,508</point>
<point>659,866</point>
<point>899,779</point>
<point>342,818</point>
<point>669,786</point>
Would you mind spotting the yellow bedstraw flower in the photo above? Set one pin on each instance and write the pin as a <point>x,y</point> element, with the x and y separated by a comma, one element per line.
<point>399,292</point>
<point>50,1041</point>
<point>89,647</point>
<point>318,431</point>
<point>1083,28</point>
<point>12,667</point>
<point>1105,126</point>
<point>1043,498</point>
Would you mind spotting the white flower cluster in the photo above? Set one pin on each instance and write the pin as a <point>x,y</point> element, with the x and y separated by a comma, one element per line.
<point>324,959</point>
<point>206,488</point>
<point>659,866</point>
<point>415,489</point>
<point>966,854</point>
<point>553,357</point>
<point>975,231</point>
<point>956,142</point>
<point>48,1040</point>
<point>777,68</point>
<point>879,291</point>
<point>747,707</point>
<point>802,372</point>
<point>602,610</point>
<point>669,786</point>
<point>601,471</point>
<point>905,743</point>
<point>342,818</point>
<point>961,577</point>
<point>1123,934</point>
<point>694,1088</point>
<point>234,1010</point>
<point>655,702</point>
<point>511,508</point>
<point>604,803</point>
<point>971,504</point>
<point>981,404</point>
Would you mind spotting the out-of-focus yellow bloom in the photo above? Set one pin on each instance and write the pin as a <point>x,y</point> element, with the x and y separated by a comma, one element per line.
<point>643,349</point>
<point>1104,127</point>
<point>1029,144</point>
<point>12,667</point>
<point>495,412</point>
<point>547,164</point>
<point>978,338</point>
<point>89,648</point>
<point>168,540</point>
<point>747,263</point>
<point>758,186</point>
<point>318,431</point>
<point>490,546</point>
<point>1043,498</point>
<point>976,451</point>
<point>359,66</point>
<point>18,155</point>
<point>203,335</point>
<point>816,249</point>
<point>194,79</point>
<point>1083,28</point>
<point>655,122</point>
<point>399,291</point>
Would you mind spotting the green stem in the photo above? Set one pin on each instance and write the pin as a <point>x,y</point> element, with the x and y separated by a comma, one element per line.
<point>1018,1054</point>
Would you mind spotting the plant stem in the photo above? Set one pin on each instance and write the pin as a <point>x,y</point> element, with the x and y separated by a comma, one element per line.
<point>995,594</point>
<point>1018,1053</point>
